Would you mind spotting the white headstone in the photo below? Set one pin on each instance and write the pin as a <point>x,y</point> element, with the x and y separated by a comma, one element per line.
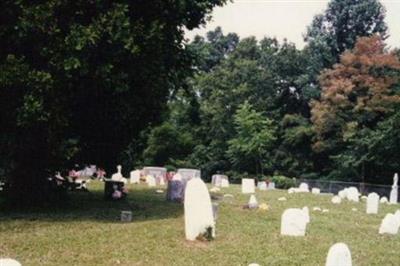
<point>135,177</point>
<point>177,177</point>
<point>315,190</point>
<point>271,185</point>
<point>9,262</point>
<point>317,209</point>
<point>248,185</point>
<point>353,194</point>
<point>224,183</point>
<point>294,222</point>
<point>343,193</point>
<point>339,255</point>
<point>394,191</point>
<point>303,187</point>
<point>282,199</point>
<point>336,200</point>
<point>151,181</point>
<point>384,200</point>
<point>364,197</point>
<point>390,224</point>
<point>198,209</point>
<point>262,185</point>
<point>118,175</point>
<point>253,204</point>
<point>372,203</point>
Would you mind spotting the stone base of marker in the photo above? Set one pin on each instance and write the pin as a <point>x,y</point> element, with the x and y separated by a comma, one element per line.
<point>126,216</point>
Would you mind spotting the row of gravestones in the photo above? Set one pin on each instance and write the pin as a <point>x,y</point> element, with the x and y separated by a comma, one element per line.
<point>200,221</point>
<point>248,185</point>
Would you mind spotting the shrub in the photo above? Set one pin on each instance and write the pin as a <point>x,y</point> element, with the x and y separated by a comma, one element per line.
<point>283,181</point>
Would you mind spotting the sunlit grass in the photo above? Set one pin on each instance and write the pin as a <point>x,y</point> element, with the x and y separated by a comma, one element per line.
<point>88,232</point>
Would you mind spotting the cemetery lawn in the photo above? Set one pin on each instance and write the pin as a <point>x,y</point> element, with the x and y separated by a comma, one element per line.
<point>88,232</point>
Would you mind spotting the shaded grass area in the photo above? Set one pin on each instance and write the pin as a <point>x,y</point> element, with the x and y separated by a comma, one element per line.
<point>88,232</point>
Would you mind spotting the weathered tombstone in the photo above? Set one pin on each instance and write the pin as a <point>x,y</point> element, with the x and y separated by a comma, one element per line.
<point>304,187</point>
<point>372,203</point>
<point>262,185</point>
<point>248,185</point>
<point>225,183</point>
<point>151,181</point>
<point>343,193</point>
<point>394,191</point>
<point>216,180</point>
<point>253,204</point>
<point>199,218</point>
<point>118,175</point>
<point>9,262</point>
<point>113,189</point>
<point>315,190</point>
<point>126,216</point>
<point>389,225</point>
<point>384,200</point>
<point>353,194</point>
<point>294,222</point>
<point>339,255</point>
<point>336,200</point>
<point>271,185</point>
<point>175,190</point>
<point>135,177</point>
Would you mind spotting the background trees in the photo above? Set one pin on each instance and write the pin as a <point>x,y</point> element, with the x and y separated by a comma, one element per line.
<point>315,135</point>
<point>357,94</point>
<point>105,83</point>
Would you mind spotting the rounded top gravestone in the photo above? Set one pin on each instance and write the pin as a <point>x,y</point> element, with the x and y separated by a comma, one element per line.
<point>198,210</point>
<point>339,254</point>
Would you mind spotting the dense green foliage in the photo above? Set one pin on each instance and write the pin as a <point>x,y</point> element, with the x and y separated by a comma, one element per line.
<point>79,80</point>
<point>252,106</point>
<point>115,82</point>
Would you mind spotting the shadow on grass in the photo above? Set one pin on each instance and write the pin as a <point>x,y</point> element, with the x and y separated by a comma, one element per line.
<point>144,203</point>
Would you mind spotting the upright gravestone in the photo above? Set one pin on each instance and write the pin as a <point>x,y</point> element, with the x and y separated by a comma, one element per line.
<point>135,177</point>
<point>390,224</point>
<point>352,194</point>
<point>294,222</point>
<point>175,189</point>
<point>225,182</point>
<point>271,185</point>
<point>253,204</point>
<point>304,187</point>
<point>9,262</point>
<point>339,255</point>
<point>199,219</point>
<point>262,185</point>
<point>151,181</point>
<point>372,203</point>
<point>248,185</point>
<point>315,190</point>
<point>394,191</point>
<point>118,175</point>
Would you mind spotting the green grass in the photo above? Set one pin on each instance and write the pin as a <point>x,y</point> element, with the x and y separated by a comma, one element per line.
<point>88,232</point>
